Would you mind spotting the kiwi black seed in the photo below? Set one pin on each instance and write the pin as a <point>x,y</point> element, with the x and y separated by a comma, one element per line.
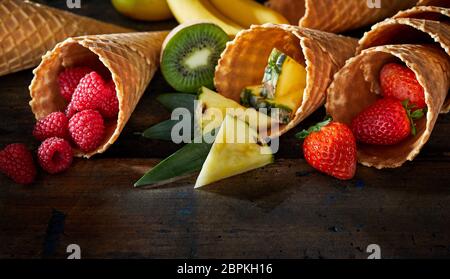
<point>179,66</point>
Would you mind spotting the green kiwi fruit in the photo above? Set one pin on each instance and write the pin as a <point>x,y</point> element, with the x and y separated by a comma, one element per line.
<point>190,55</point>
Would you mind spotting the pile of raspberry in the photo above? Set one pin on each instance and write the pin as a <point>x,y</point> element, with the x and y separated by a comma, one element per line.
<point>91,101</point>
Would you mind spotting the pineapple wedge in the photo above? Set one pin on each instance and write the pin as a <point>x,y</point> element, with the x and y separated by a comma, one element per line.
<point>284,80</point>
<point>213,108</point>
<point>252,97</point>
<point>283,85</point>
<point>236,150</point>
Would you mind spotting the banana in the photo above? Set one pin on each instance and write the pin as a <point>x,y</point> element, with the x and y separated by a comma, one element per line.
<point>188,10</point>
<point>248,12</point>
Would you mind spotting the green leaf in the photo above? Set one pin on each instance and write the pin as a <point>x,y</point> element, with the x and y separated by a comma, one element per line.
<point>187,160</point>
<point>413,115</point>
<point>316,128</point>
<point>417,114</point>
<point>161,131</point>
<point>413,129</point>
<point>405,103</point>
<point>177,100</point>
<point>172,101</point>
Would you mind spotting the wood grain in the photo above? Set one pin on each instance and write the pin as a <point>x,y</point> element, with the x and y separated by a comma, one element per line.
<point>286,210</point>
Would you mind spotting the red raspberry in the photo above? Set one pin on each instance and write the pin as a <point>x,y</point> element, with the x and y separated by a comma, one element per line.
<point>53,125</point>
<point>55,155</point>
<point>87,129</point>
<point>16,162</point>
<point>68,80</point>
<point>109,107</point>
<point>70,111</point>
<point>89,94</point>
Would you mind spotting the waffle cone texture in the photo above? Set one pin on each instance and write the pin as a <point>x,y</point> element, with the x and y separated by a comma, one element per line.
<point>323,54</point>
<point>338,15</point>
<point>28,30</point>
<point>131,59</point>
<point>417,38</point>
<point>423,25</point>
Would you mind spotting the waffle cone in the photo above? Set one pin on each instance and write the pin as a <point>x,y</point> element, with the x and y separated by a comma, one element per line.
<point>242,64</point>
<point>417,25</point>
<point>28,30</point>
<point>337,15</point>
<point>437,13</point>
<point>356,87</point>
<point>439,3</point>
<point>131,59</point>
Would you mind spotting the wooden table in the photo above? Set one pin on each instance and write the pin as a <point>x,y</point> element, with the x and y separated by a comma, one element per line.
<point>286,210</point>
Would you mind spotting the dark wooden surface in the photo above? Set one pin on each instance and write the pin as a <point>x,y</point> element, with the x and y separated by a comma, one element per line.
<point>286,210</point>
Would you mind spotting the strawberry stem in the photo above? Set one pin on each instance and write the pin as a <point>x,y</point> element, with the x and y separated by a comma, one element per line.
<point>415,115</point>
<point>316,128</point>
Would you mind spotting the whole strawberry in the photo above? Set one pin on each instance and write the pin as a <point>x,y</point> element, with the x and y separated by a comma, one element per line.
<point>53,125</point>
<point>400,82</point>
<point>330,147</point>
<point>68,80</point>
<point>388,121</point>
<point>55,155</point>
<point>16,162</point>
<point>87,129</point>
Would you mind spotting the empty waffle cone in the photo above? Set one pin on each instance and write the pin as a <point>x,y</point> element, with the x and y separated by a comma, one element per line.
<point>418,25</point>
<point>130,59</point>
<point>28,30</point>
<point>338,15</point>
<point>244,60</point>
<point>356,87</point>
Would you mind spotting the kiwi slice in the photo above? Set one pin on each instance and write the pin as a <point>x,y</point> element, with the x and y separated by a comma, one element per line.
<point>190,55</point>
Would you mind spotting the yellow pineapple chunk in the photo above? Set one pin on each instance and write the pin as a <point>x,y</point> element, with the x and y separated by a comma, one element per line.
<point>236,150</point>
<point>291,85</point>
<point>213,108</point>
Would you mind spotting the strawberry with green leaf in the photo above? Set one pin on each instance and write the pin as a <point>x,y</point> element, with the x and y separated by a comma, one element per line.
<point>387,122</point>
<point>330,147</point>
<point>399,82</point>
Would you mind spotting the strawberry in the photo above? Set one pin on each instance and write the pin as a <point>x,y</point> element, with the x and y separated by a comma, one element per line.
<point>330,147</point>
<point>388,121</point>
<point>400,82</point>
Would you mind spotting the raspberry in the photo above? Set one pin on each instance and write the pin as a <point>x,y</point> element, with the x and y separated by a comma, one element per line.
<point>16,162</point>
<point>87,129</point>
<point>68,80</point>
<point>55,155</point>
<point>70,111</point>
<point>109,106</point>
<point>89,94</point>
<point>53,125</point>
